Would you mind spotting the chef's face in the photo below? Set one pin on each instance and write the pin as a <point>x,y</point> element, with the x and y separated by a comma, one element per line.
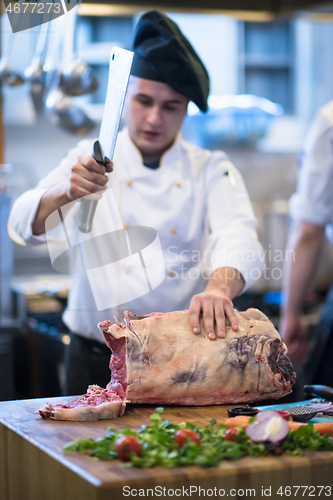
<point>154,113</point>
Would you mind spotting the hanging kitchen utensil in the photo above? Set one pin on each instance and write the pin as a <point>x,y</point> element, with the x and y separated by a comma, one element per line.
<point>67,115</point>
<point>77,78</point>
<point>60,107</point>
<point>52,59</point>
<point>119,72</point>
<point>8,75</point>
<point>35,73</point>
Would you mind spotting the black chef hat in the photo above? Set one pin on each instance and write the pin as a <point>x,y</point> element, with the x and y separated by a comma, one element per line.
<point>163,54</point>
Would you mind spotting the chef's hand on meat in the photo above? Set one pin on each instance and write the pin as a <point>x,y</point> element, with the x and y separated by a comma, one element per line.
<point>294,331</point>
<point>215,303</point>
<point>88,177</point>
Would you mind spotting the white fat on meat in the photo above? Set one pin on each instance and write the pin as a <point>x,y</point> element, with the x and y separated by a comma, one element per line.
<point>158,360</point>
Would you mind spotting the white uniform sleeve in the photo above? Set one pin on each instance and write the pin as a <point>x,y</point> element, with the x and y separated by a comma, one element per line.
<point>25,207</point>
<point>233,240</point>
<point>313,200</point>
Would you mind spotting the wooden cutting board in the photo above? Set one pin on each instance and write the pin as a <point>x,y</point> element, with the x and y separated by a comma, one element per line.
<point>34,467</point>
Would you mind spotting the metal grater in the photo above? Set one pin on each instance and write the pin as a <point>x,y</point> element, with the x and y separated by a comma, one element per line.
<point>301,413</point>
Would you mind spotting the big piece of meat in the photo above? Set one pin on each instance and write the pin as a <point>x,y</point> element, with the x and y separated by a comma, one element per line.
<point>157,359</point>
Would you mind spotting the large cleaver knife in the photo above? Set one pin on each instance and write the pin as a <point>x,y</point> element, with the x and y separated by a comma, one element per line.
<point>119,72</point>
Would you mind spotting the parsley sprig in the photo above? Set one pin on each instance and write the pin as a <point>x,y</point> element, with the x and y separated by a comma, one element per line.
<point>306,438</point>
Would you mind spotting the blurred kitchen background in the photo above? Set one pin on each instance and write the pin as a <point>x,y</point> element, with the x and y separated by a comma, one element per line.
<point>268,77</point>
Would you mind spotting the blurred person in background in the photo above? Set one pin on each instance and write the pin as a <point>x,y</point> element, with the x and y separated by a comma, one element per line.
<point>311,211</point>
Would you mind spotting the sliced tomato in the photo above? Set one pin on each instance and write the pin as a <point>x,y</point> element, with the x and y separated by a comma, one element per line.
<point>230,433</point>
<point>283,413</point>
<point>126,445</point>
<point>183,435</point>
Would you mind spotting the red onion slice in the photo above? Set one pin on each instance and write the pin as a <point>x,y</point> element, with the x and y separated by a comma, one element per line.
<point>265,415</point>
<point>269,427</point>
<point>322,407</point>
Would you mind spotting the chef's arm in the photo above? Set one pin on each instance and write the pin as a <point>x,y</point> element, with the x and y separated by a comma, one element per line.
<point>228,279</point>
<point>86,177</point>
<point>215,302</point>
<point>55,198</point>
<point>302,255</point>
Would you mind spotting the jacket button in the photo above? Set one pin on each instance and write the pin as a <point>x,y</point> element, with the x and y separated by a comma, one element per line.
<point>178,184</point>
<point>171,273</point>
<point>125,226</point>
<point>127,270</point>
<point>129,183</point>
<point>173,231</point>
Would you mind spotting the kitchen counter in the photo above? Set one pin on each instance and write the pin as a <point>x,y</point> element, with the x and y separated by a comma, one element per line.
<point>34,467</point>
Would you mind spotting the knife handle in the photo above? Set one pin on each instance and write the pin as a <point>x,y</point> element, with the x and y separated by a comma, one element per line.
<point>88,207</point>
<point>86,217</point>
<point>323,391</point>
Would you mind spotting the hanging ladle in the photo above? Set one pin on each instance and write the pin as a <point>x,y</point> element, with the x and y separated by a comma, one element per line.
<point>36,73</point>
<point>67,115</point>
<point>59,106</point>
<point>77,78</point>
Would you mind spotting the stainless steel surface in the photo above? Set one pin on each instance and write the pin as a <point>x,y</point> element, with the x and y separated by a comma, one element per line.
<point>86,216</point>
<point>67,115</point>
<point>59,107</point>
<point>52,59</point>
<point>77,78</point>
<point>35,73</point>
<point>119,72</point>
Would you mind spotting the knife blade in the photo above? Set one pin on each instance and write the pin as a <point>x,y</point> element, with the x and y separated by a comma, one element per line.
<point>119,72</point>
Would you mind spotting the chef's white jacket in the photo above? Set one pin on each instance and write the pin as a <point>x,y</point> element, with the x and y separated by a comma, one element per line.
<point>198,204</point>
<point>313,200</point>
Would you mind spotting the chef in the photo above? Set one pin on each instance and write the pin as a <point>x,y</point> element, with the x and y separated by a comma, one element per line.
<point>311,209</point>
<point>195,199</point>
